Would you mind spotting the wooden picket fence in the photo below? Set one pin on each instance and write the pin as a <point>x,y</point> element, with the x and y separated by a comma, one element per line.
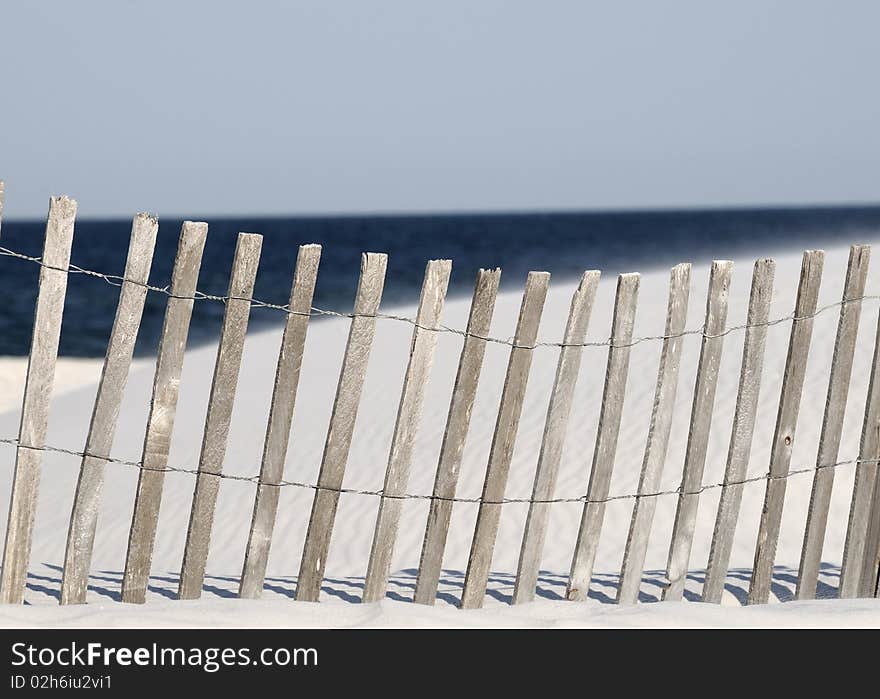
<point>862,548</point>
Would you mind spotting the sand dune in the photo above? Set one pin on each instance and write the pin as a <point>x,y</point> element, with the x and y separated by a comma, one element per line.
<point>350,546</point>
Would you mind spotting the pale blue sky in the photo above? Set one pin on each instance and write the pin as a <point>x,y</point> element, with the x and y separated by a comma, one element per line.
<point>210,108</point>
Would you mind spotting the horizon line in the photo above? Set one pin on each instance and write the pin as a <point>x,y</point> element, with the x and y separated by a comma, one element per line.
<point>487,213</point>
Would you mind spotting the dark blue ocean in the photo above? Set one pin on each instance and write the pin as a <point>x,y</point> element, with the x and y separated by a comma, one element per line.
<point>562,243</point>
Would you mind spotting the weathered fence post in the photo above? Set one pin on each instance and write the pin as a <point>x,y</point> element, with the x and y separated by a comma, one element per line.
<point>342,421</point>
<point>698,434</point>
<point>457,422</point>
<point>869,585</point>
<point>37,396</point>
<point>501,452</point>
<point>742,432</point>
<point>555,426</point>
<point>658,437</point>
<point>220,403</point>
<point>415,383</point>
<point>163,405</point>
<point>858,525</point>
<point>606,438</point>
<point>832,422</point>
<point>786,422</point>
<point>293,341</point>
<point>102,429</point>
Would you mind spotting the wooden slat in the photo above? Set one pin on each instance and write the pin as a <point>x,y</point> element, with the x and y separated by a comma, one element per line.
<point>163,405</point>
<point>606,438</point>
<point>290,357</point>
<point>415,383</point>
<point>220,403</point>
<point>742,432</point>
<point>869,575</point>
<point>37,396</point>
<point>120,348</point>
<point>786,422</point>
<point>698,433</point>
<point>855,546</point>
<point>555,428</point>
<point>501,452</point>
<point>658,437</point>
<point>869,583</point>
<point>832,423</point>
<point>342,421</point>
<point>457,422</point>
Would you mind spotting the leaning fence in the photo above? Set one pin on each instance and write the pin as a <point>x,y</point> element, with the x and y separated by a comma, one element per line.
<point>861,556</point>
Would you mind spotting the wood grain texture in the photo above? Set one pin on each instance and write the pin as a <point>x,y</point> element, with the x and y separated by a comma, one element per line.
<point>869,578</point>
<point>415,384</point>
<point>37,397</point>
<point>698,433</point>
<point>869,581</point>
<point>658,437</point>
<point>553,441</point>
<point>219,416</point>
<point>458,420</point>
<point>503,440</point>
<point>287,374</point>
<point>786,422</point>
<point>743,430</point>
<point>610,413</point>
<point>857,536</point>
<point>102,429</point>
<point>832,422</point>
<point>163,406</point>
<point>342,421</point>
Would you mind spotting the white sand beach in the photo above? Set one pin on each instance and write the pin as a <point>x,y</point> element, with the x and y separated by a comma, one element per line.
<point>75,391</point>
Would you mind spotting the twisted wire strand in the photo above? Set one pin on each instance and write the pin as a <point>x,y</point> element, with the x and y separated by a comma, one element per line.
<point>11,441</point>
<point>118,281</point>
